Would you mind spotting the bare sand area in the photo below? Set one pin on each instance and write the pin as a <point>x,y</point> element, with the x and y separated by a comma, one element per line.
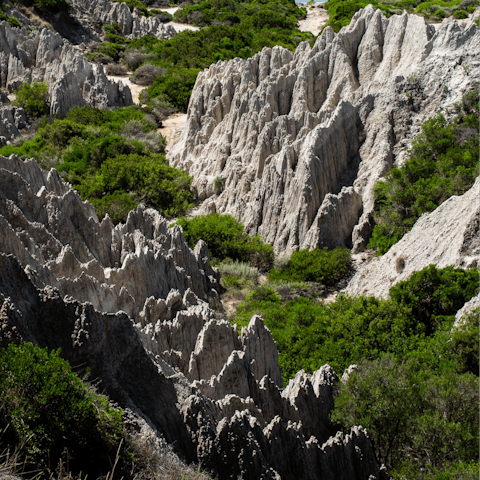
<point>172,128</point>
<point>317,17</point>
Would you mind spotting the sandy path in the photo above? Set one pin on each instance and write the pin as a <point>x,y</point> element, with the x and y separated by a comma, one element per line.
<point>179,27</point>
<point>317,17</point>
<point>172,129</point>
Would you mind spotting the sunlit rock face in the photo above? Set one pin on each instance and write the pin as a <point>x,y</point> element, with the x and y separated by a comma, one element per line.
<point>299,139</point>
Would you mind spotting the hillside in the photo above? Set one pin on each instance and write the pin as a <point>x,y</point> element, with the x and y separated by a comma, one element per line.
<point>330,362</point>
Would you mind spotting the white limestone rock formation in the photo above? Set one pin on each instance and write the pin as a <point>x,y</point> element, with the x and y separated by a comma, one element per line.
<point>299,139</point>
<point>133,24</point>
<point>58,238</point>
<point>126,302</point>
<point>471,306</point>
<point>447,236</point>
<point>12,120</point>
<point>44,56</point>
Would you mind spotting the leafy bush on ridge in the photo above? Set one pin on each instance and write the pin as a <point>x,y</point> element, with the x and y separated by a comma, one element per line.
<point>48,412</point>
<point>225,238</point>
<point>444,162</point>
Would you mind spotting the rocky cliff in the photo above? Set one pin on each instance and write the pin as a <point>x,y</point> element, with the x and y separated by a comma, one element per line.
<point>128,301</point>
<point>299,139</point>
<point>449,235</point>
<point>44,56</point>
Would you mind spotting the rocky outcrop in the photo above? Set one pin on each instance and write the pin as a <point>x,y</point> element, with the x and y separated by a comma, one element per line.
<point>473,305</point>
<point>43,56</point>
<point>12,120</point>
<point>45,224</point>
<point>449,235</point>
<point>127,302</point>
<point>133,24</point>
<point>299,139</point>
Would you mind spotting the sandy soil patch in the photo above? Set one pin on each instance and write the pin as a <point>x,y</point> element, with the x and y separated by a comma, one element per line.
<point>172,128</point>
<point>180,27</point>
<point>317,17</point>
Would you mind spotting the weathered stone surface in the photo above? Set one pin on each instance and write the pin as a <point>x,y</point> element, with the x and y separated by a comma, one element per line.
<point>43,56</point>
<point>124,302</point>
<point>133,24</point>
<point>472,305</point>
<point>299,139</point>
<point>447,236</point>
<point>12,120</point>
<point>45,224</point>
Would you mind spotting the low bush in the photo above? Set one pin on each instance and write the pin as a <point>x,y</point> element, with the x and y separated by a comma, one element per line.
<point>48,412</point>
<point>226,238</point>
<point>318,265</point>
<point>53,6</point>
<point>33,98</point>
<point>13,22</point>
<point>146,74</point>
<point>443,162</point>
<point>420,421</point>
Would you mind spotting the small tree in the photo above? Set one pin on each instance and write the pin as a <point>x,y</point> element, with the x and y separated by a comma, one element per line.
<point>33,98</point>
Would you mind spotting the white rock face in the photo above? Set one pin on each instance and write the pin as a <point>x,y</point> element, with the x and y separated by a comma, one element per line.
<point>43,56</point>
<point>447,236</point>
<point>300,139</point>
<point>470,306</point>
<point>58,238</point>
<point>133,24</point>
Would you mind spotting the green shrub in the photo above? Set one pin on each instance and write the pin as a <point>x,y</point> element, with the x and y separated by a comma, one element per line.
<point>174,86</point>
<point>13,22</point>
<point>417,318</point>
<point>225,238</point>
<point>46,410</point>
<point>32,98</point>
<point>148,179</point>
<point>420,422</point>
<point>52,5</point>
<point>112,158</point>
<point>320,266</point>
<point>460,14</point>
<point>444,162</point>
<point>432,294</point>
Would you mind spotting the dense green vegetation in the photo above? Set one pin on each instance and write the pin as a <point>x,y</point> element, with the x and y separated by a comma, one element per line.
<point>320,266</point>
<point>278,13</point>
<point>114,159</point>
<point>418,410</point>
<point>349,330</point>
<point>51,415</point>
<point>231,29</point>
<point>226,238</point>
<point>417,379</point>
<point>33,98</point>
<point>443,162</point>
<point>342,11</point>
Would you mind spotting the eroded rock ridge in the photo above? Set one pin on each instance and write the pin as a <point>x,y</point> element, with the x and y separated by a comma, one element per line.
<point>299,139</point>
<point>129,302</point>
